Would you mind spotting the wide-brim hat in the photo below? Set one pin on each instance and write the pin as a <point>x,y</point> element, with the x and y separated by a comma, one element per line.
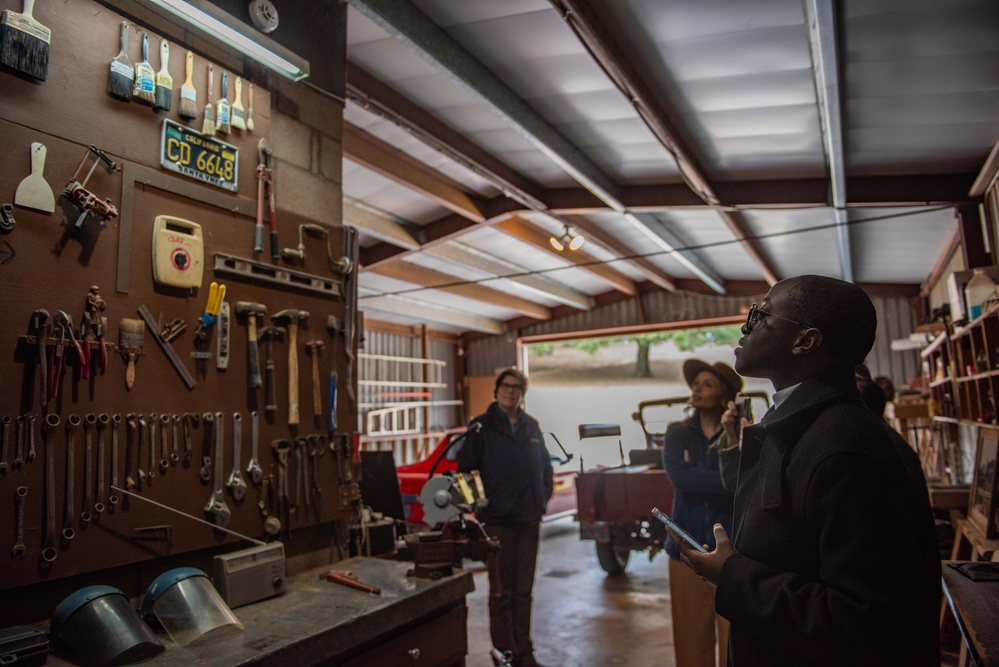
<point>725,374</point>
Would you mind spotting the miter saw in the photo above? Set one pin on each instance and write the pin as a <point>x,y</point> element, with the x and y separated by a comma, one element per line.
<point>446,501</point>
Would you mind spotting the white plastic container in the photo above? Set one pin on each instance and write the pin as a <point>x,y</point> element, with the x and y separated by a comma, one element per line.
<point>187,605</point>
<point>978,290</point>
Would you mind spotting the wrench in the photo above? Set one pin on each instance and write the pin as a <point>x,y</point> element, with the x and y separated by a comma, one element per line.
<point>302,450</point>
<point>19,444</point>
<point>4,439</point>
<point>40,323</point>
<point>89,422</point>
<point>67,524</point>
<point>206,451</point>
<point>115,426</point>
<point>216,507</point>
<point>49,552</point>
<point>236,484</point>
<point>164,443</point>
<point>253,467</point>
<point>175,454</point>
<point>300,472</point>
<point>102,424</point>
<point>151,442</point>
<point>317,448</point>
<point>132,435</point>
<point>143,436</point>
<point>280,448</point>
<point>31,438</point>
<point>18,550</point>
<point>190,419</point>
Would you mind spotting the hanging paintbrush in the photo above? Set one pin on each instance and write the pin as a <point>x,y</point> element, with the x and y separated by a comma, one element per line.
<point>188,94</point>
<point>24,42</point>
<point>121,78</point>
<point>238,114</point>
<point>208,126</point>
<point>164,82</point>
<point>249,108</point>
<point>144,89</point>
<point>222,122</point>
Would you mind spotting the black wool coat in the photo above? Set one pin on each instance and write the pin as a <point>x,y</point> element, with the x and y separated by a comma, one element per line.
<point>838,559</point>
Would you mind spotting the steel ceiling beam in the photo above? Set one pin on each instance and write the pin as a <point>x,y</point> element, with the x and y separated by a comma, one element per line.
<point>418,275</point>
<point>595,232</point>
<point>820,19</point>
<point>378,225</point>
<point>609,53</point>
<point>424,311</point>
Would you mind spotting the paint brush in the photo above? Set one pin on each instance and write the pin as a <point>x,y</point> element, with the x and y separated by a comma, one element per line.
<point>164,82</point>
<point>249,108</point>
<point>238,116</point>
<point>208,127</point>
<point>144,90</point>
<point>222,119</point>
<point>188,94</point>
<point>24,42</point>
<point>122,75</point>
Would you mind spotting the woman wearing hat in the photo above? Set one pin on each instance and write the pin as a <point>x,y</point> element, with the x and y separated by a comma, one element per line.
<point>700,501</point>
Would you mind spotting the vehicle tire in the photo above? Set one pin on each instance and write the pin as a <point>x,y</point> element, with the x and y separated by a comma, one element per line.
<point>613,560</point>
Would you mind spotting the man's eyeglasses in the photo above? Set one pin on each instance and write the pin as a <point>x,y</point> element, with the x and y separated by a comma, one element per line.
<point>756,314</point>
<point>511,387</point>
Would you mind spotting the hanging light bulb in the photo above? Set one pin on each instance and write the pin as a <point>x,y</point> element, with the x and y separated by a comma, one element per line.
<point>568,240</point>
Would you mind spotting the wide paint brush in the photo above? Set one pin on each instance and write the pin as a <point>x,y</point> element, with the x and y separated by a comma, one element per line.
<point>188,94</point>
<point>208,126</point>
<point>238,116</point>
<point>121,77</point>
<point>144,89</point>
<point>222,115</point>
<point>24,42</point>
<point>164,82</point>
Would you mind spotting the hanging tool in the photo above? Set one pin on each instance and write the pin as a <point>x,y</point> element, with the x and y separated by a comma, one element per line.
<point>267,335</point>
<point>222,336</point>
<point>67,524</point>
<point>334,328</point>
<point>131,449</point>
<point>209,318</point>
<point>168,350</point>
<point>98,323</point>
<point>34,191</point>
<point>253,467</point>
<point>235,483</point>
<point>102,425</point>
<point>164,443</point>
<point>292,317</point>
<point>40,324</point>
<point>65,323</point>
<point>251,311</point>
<point>208,419</point>
<point>312,230</point>
<point>19,548</point>
<point>349,269</point>
<point>131,338</point>
<point>317,448</point>
<point>84,200</point>
<point>4,441</point>
<point>280,449</point>
<point>49,552</point>
<point>216,508</point>
<point>265,190</point>
<point>115,429</point>
<point>89,425</point>
<point>313,347</point>
<point>174,428</point>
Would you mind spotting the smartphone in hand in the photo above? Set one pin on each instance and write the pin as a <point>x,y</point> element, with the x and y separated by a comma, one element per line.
<point>678,530</point>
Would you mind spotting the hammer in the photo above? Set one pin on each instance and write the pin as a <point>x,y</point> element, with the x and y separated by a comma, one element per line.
<point>313,347</point>
<point>291,317</point>
<point>251,311</point>
<point>268,334</point>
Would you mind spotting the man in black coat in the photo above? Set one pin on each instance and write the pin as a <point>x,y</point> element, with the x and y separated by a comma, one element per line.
<point>834,558</point>
<point>506,446</point>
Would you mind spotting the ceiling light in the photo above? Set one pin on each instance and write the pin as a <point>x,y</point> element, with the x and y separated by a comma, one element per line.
<point>569,240</point>
<point>225,28</point>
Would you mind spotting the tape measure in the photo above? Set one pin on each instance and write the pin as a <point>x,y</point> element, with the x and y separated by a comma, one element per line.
<point>178,252</point>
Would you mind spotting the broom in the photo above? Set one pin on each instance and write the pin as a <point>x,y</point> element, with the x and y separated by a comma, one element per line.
<point>24,43</point>
<point>164,82</point>
<point>121,76</point>
<point>208,127</point>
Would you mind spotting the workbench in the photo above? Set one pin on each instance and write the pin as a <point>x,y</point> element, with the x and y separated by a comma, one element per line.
<point>976,608</point>
<point>418,621</point>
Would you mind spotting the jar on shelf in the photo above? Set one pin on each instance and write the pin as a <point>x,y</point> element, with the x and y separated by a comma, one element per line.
<point>979,289</point>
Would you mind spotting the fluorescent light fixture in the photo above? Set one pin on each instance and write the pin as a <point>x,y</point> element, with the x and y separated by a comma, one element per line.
<point>230,31</point>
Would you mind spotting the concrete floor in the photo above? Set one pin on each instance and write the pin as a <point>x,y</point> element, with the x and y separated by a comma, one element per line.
<point>581,616</point>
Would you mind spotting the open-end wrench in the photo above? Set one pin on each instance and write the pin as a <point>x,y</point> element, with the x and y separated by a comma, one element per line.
<point>102,426</point>
<point>89,424</point>
<point>115,427</point>
<point>216,508</point>
<point>49,552</point>
<point>253,468</point>
<point>4,439</point>
<point>40,323</point>
<point>164,443</point>
<point>235,483</point>
<point>67,524</point>
<point>191,419</point>
<point>31,438</point>
<point>280,449</point>
<point>19,444</point>
<point>132,449</point>
<point>206,451</point>
<point>19,549</point>
<point>151,442</point>
<point>143,436</point>
<point>175,453</point>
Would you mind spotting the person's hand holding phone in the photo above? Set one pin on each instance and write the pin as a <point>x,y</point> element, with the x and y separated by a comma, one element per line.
<point>706,565</point>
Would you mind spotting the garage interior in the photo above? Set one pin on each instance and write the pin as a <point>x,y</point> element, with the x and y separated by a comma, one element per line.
<point>401,218</point>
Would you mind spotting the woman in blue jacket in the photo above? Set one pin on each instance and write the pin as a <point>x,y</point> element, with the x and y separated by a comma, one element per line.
<point>690,457</point>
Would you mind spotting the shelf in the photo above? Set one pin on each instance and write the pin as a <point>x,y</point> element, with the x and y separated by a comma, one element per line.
<point>948,420</point>
<point>977,376</point>
<point>938,383</point>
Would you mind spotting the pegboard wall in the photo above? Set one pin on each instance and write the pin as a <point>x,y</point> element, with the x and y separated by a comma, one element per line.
<point>72,427</point>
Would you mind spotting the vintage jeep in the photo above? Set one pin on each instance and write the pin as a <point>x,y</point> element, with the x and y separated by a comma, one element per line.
<point>614,504</point>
